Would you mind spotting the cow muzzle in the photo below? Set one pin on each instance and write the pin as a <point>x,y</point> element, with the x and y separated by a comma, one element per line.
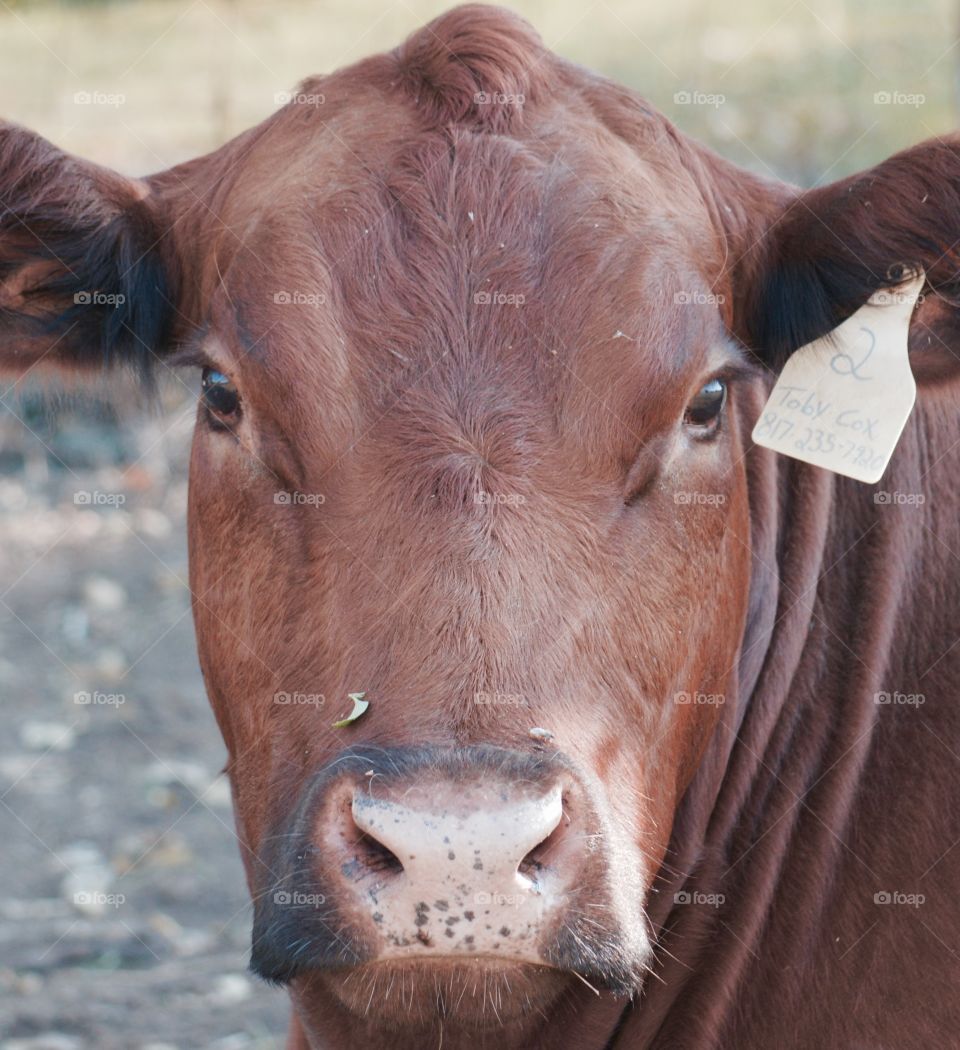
<point>471,866</point>
<point>445,865</point>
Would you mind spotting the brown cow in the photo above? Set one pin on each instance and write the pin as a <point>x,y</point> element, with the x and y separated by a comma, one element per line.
<point>483,339</point>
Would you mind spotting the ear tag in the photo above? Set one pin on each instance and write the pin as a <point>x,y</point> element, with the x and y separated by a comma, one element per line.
<point>842,401</point>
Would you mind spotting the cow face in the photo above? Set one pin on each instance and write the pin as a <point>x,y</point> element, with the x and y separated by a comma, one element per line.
<point>440,463</point>
<point>479,368</point>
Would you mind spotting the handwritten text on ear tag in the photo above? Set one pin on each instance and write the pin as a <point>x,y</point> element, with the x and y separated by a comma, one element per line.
<point>842,401</point>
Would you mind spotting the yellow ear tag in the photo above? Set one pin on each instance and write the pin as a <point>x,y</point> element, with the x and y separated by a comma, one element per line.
<point>842,401</point>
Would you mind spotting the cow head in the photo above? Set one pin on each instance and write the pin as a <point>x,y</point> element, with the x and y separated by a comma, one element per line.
<point>482,340</point>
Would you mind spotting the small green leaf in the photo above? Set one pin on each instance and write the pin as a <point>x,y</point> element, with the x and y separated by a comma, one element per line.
<point>359,706</point>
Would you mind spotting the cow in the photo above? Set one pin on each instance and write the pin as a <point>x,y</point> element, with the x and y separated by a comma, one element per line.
<point>636,734</point>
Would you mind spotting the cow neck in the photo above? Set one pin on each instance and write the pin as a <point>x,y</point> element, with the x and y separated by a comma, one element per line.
<point>830,567</point>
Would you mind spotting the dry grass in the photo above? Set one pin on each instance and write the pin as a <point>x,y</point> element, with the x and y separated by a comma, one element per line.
<point>798,78</point>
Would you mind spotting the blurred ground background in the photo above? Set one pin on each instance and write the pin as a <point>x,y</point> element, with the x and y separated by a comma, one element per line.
<point>123,915</point>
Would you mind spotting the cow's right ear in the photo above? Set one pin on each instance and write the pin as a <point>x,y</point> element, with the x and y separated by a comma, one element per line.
<point>82,275</point>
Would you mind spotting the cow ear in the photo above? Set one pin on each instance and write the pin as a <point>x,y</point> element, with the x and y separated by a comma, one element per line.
<point>82,277</point>
<point>825,251</point>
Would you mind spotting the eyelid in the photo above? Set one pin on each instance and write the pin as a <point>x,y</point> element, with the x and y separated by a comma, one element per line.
<point>189,356</point>
<point>194,354</point>
<point>734,372</point>
<point>729,373</point>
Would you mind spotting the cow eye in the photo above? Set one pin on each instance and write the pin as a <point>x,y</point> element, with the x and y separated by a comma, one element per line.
<point>220,396</point>
<point>704,410</point>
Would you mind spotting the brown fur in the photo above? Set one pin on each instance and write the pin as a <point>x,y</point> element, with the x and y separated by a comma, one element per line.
<point>592,592</point>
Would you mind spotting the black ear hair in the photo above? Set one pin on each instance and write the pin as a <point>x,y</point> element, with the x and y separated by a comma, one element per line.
<point>830,248</point>
<point>82,278</point>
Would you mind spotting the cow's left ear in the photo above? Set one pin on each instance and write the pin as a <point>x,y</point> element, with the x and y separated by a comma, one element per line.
<point>82,276</point>
<point>825,251</point>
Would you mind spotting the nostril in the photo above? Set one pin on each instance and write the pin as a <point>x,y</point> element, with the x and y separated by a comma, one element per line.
<point>542,855</point>
<point>375,856</point>
<point>357,841</point>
